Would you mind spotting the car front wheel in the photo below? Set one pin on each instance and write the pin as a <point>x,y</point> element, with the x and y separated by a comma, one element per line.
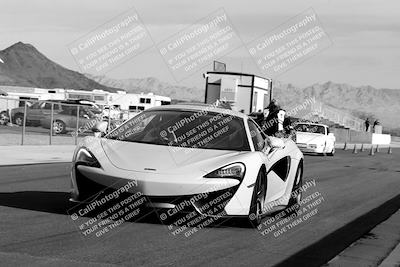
<point>58,127</point>
<point>19,119</point>
<point>295,196</point>
<point>258,199</point>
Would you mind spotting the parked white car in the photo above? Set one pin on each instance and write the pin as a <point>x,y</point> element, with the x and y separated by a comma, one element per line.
<point>315,138</point>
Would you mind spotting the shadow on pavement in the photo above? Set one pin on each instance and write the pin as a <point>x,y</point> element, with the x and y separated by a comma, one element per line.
<point>58,203</point>
<point>52,202</point>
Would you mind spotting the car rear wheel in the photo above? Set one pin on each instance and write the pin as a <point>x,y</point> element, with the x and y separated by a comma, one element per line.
<point>58,127</point>
<point>258,199</point>
<point>332,153</point>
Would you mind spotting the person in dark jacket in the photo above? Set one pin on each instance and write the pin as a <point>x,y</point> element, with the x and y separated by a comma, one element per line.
<point>273,106</point>
<point>271,123</point>
<point>376,122</point>
<point>367,125</point>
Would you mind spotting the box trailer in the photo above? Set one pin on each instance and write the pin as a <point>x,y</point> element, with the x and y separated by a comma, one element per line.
<point>244,92</point>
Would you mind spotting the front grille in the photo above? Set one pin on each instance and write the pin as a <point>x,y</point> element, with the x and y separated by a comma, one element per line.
<point>212,203</point>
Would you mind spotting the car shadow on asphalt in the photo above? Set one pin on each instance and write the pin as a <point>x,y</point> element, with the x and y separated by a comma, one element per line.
<point>58,203</point>
<point>45,201</point>
<point>52,202</point>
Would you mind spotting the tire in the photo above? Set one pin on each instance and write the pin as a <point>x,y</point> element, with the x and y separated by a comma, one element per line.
<point>257,200</point>
<point>4,119</point>
<point>19,119</point>
<point>58,127</point>
<point>332,153</point>
<point>298,182</point>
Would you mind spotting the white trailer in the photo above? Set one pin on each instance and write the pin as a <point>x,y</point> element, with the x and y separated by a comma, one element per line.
<point>17,95</point>
<point>120,102</point>
<point>137,102</point>
<point>244,92</point>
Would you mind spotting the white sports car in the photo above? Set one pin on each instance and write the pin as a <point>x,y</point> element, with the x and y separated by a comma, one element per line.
<point>315,138</point>
<point>200,156</point>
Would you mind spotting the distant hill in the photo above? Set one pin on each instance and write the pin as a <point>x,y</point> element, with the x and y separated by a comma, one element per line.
<point>152,85</point>
<point>23,65</point>
<point>363,101</point>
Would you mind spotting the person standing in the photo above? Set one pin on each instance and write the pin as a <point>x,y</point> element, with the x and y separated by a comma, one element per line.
<point>367,124</point>
<point>273,106</point>
<point>376,122</point>
<point>281,118</point>
<point>271,121</point>
<point>261,116</point>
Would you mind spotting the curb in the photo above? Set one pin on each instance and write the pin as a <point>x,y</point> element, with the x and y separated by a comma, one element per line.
<point>33,163</point>
<point>393,259</point>
<point>328,247</point>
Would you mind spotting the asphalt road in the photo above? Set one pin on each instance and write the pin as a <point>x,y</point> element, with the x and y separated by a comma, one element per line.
<point>36,230</point>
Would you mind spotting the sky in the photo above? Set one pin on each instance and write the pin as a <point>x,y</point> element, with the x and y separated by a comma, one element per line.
<point>365,35</point>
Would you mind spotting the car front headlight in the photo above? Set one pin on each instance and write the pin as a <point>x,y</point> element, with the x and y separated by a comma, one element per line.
<point>84,157</point>
<point>234,170</point>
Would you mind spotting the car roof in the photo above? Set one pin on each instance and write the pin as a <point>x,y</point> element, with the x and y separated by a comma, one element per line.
<point>201,107</point>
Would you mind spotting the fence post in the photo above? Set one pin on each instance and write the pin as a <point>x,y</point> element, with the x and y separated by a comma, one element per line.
<point>77,125</point>
<point>348,135</point>
<point>8,110</point>
<point>24,124</point>
<point>51,123</point>
<point>109,119</point>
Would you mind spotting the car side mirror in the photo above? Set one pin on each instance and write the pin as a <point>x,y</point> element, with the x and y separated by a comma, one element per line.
<point>276,143</point>
<point>100,128</point>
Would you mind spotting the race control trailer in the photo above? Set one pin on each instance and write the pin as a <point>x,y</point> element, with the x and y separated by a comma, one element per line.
<point>244,92</point>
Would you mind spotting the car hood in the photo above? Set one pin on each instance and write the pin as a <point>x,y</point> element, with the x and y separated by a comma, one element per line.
<point>309,138</point>
<point>163,159</point>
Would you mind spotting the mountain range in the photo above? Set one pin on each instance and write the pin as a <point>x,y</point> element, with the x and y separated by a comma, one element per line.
<point>23,65</point>
<point>152,85</point>
<point>362,101</point>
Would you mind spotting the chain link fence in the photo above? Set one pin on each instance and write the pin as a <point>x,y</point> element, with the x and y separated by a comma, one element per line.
<point>37,122</point>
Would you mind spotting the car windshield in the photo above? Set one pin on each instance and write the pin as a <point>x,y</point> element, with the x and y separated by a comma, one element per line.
<point>310,128</point>
<point>189,129</point>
